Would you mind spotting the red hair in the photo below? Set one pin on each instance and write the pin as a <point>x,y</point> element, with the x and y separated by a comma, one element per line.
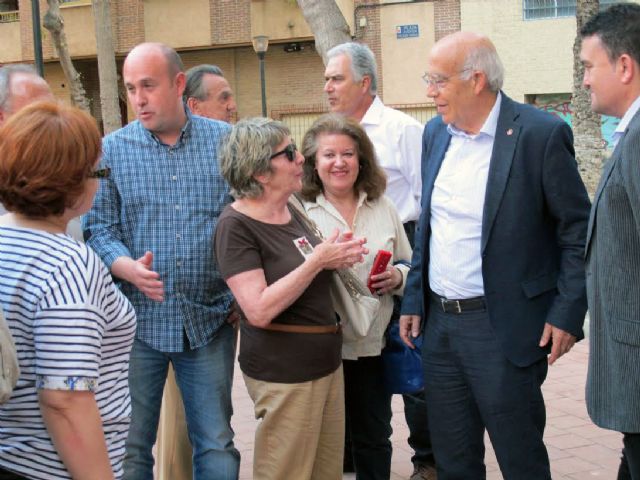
<point>47,153</point>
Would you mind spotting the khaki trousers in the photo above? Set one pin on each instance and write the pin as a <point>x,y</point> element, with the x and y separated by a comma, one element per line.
<point>301,433</point>
<point>174,448</point>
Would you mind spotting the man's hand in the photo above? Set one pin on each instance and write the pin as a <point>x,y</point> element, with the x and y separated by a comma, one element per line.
<point>561,341</point>
<point>139,273</point>
<point>409,329</point>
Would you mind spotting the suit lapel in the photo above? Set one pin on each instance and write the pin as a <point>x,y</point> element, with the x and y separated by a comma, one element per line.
<point>504,148</point>
<point>435,158</point>
<point>617,152</point>
<point>436,151</point>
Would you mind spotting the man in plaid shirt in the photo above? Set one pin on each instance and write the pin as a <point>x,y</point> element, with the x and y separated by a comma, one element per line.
<point>152,223</point>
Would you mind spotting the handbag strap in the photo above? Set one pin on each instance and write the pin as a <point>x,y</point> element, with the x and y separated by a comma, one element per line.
<point>351,281</point>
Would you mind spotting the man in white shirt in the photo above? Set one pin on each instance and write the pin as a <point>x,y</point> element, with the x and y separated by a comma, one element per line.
<point>351,88</point>
<point>611,58</point>
<point>497,270</point>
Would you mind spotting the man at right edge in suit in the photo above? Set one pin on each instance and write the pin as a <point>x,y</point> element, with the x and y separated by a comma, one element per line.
<point>498,269</point>
<point>611,58</point>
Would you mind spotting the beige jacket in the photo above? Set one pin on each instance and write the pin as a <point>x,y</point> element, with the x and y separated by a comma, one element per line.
<point>379,223</point>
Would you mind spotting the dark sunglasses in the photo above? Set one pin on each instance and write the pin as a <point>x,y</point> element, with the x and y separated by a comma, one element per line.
<point>101,173</point>
<point>290,151</point>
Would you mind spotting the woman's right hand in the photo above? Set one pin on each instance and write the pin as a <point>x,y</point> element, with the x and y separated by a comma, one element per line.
<point>335,253</point>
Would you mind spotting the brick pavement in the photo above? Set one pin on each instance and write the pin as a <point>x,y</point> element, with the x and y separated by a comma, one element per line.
<point>578,449</point>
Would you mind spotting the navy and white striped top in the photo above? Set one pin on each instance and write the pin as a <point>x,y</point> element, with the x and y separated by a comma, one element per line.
<point>73,331</point>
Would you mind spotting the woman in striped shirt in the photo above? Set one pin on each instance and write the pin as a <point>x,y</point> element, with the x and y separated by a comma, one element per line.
<point>69,413</point>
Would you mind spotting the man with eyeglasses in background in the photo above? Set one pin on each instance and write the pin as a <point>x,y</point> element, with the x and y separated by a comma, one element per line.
<point>352,90</point>
<point>497,271</point>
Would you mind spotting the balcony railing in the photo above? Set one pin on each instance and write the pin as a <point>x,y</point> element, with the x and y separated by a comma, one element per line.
<point>8,17</point>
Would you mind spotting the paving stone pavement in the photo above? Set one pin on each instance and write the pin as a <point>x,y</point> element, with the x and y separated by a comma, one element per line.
<point>577,448</point>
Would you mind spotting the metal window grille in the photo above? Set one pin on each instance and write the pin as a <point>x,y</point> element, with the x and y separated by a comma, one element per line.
<point>536,9</point>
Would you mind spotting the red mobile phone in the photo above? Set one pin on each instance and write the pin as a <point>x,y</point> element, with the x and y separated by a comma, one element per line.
<point>379,265</point>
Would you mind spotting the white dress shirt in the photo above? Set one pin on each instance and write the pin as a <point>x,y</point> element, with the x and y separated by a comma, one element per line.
<point>457,204</point>
<point>397,138</point>
<point>624,122</point>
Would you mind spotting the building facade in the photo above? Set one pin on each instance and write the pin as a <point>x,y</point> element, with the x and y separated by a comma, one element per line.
<point>533,37</point>
<point>221,32</point>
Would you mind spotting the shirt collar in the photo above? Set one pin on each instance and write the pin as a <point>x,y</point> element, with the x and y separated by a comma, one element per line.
<point>626,119</point>
<point>488,128</point>
<point>322,202</point>
<point>185,132</point>
<point>373,116</point>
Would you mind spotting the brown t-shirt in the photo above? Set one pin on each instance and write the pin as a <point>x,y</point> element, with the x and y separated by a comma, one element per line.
<point>243,244</point>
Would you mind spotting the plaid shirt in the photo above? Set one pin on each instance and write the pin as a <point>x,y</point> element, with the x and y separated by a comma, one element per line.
<point>166,199</point>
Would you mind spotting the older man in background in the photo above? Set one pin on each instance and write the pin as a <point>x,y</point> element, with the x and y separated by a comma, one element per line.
<point>208,94</point>
<point>20,86</point>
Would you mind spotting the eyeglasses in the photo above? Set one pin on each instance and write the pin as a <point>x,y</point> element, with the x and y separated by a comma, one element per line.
<point>101,173</point>
<point>290,151</point>
<point>440,81</point>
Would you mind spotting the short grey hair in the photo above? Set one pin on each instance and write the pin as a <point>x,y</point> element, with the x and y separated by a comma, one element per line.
<point>194,88</point>
<point>246,152</point>
<point>6,72</point>
<point>363,62</point>
<point>485,59</point>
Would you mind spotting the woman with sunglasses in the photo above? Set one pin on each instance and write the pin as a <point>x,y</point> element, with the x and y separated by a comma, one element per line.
<point>68,416</point>
<point>343,187</point>
<point>280,273</point>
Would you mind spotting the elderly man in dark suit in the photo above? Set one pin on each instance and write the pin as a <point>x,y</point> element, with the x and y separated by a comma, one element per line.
<point>497,271</point>
<point>611,58</point>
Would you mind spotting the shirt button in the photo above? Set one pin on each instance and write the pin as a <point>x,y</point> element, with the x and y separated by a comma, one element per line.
<point>174,178</point>
<point>177,207</point>
<point>178,235</point>
<point>178,263</point>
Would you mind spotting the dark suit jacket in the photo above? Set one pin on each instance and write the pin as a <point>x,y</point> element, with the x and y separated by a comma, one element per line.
<point>533,230</point>
<point>613,289</point>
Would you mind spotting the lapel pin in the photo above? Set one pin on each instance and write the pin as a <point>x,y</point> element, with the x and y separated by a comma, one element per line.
<point>510,132</point>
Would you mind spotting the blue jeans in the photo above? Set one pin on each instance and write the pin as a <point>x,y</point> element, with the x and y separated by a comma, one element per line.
<point>204,377</point>
<point>471,386</point>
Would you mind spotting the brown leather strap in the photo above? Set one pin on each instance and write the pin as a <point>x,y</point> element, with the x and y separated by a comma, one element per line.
<point>283,327</point>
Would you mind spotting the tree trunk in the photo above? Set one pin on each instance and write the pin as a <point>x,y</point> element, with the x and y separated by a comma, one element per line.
<point>55,24</point>
<point>107,71</point>
<point>586,124</point>
<point>327,24</point>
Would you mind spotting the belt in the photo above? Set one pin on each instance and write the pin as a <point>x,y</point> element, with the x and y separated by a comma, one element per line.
<point>459,306</point>
<point>284,327</point>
